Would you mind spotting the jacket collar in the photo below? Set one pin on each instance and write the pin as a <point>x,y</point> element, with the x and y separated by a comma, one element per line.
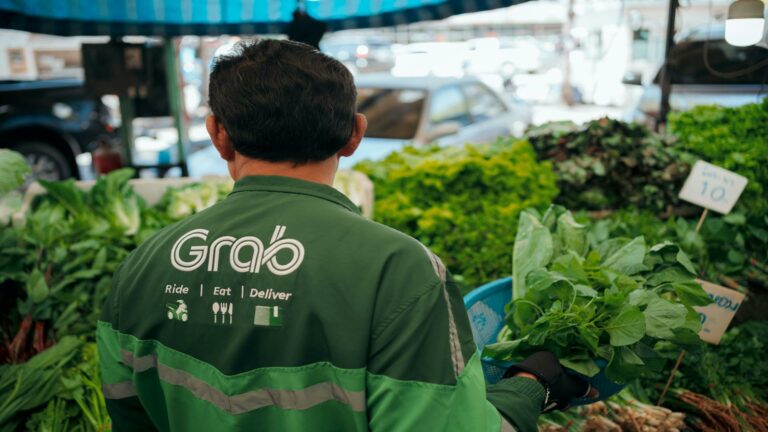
<point>295,186</point>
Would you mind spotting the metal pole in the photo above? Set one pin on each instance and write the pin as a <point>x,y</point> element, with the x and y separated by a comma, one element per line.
<point>127,114</point>
<point>173,84</point>
<point>666,76</point>
<point>567,87</point>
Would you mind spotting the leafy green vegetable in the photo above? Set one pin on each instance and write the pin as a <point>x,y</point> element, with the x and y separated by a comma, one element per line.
<point>627,327</point>
<point>629,258</point>
<point>37,288</point>
<point>733,373</point>
<point>730,250</point>
<point>28,385</point>
<point>533,249</point>
<point>61,262</point>
<point>55,273</point>
<point>662,317</point>
<point>613,299</point>
<point>13,169</point>
<point>462,202</point>
<point>611,164</point>
<point>80,405</point>
<point>733,138</point>
<point>178,203</point>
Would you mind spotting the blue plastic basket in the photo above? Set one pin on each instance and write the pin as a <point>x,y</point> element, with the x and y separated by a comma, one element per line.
<point>486,314</point>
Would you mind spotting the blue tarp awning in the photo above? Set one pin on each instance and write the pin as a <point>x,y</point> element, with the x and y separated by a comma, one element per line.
<point>215,17</point>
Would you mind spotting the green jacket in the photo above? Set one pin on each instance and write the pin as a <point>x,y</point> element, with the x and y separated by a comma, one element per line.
<point>281,308</point>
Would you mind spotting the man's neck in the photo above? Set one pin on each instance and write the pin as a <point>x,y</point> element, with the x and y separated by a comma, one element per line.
<point>318,172</point>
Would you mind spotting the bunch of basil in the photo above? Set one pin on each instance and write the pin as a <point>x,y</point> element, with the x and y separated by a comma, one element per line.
<point>587,301</point>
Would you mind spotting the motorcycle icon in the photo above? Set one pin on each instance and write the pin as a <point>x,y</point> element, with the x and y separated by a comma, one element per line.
<point>178,312</point>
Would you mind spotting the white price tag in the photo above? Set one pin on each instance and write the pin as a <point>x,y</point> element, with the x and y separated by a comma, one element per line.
<point>713,187</point>
<point>716,317</point>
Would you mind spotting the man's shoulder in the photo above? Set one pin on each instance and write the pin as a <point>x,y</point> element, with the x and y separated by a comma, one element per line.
<point>407,263</point>
<point>375,233</point>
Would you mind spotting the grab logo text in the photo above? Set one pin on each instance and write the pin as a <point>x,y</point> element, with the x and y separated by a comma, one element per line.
<point>249,247</point>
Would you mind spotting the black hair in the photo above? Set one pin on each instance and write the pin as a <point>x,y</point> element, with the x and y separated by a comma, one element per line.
<point>283,101</point>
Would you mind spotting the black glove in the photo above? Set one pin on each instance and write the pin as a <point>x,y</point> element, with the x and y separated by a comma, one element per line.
<point>561,388</point>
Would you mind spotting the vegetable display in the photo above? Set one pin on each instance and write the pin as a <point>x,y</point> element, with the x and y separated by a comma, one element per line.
<point>609,164</point>
<point>56,272</point>
<point>615,300</point>
<point>79,406</point>
<point>729,250</point>
<point>463,203</point>
<point>59,267</point>
<point>733,138</point>
<point>609,287</point>
<point>622,413</point>
<point>33,383</point>
<point>180,202</point>
<point>723,387</point>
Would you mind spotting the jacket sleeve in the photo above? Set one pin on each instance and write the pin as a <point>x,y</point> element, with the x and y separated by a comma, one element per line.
<point>120,396</point>
<point>424,372</point>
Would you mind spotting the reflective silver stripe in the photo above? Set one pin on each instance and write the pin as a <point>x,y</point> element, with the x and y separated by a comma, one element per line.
<point>437,265</point>
<point>119,390</point>
<point>457,357</point>
<point>506,426</point>
<point>139,364</point>
<point>248,401</point>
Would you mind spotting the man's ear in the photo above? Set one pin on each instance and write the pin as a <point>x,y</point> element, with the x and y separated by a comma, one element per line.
<point>358,131</point>
<point>220,138</point>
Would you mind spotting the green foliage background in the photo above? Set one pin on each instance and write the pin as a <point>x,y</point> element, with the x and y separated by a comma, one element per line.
<point>733,138</point>
<point>462,203</point>
<point>608,164</point>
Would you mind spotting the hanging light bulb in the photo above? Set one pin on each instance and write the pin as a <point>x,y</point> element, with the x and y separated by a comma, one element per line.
<point>746,23</point>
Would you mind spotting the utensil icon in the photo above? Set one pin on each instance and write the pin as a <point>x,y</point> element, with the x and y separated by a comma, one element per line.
<point>224,307</point>
<point>231,306</point>
<point>215,311</point>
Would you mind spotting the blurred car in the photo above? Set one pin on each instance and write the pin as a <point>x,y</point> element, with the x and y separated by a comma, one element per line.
<point>419,111</point>
<point>705,70</point>
<point>441,59</point>
<point>361,56</point>
<point>503,56</point>
<point>51,122</point>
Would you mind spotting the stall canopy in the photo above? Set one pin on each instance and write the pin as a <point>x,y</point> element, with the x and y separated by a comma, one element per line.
<point>215,17</point>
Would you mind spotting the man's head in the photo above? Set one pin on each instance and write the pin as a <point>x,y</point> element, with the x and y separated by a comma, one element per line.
<point>282,101</point>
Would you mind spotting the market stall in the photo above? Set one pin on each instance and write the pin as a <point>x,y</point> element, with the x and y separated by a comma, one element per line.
<point>613,285</point>
<point>574,239</point>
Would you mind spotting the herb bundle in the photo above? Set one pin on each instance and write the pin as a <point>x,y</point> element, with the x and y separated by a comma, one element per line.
<point>585,302</point>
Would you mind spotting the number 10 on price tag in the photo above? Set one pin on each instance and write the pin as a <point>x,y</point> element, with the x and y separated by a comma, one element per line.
<point>712,187</point>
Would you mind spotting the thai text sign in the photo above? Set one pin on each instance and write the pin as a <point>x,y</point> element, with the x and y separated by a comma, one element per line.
<point>716,317</point>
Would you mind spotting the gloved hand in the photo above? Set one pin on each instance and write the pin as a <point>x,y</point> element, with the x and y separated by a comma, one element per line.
<point>560,387</point>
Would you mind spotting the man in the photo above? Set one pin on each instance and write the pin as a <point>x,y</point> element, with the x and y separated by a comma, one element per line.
<point>300,315</point>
